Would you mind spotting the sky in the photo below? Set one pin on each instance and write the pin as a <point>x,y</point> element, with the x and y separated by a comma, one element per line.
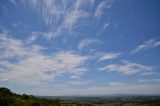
<point>80,47</point>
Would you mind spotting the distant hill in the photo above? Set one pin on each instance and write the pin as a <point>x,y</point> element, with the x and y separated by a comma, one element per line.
<point>8,98</point>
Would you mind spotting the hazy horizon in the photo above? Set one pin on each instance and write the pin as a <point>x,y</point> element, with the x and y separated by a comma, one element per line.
<point>80,47</point>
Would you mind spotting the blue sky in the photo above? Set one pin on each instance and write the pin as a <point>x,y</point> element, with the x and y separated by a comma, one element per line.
<point>84,47</point>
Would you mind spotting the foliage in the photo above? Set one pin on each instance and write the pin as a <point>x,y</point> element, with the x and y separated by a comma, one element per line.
<point>8,98</point>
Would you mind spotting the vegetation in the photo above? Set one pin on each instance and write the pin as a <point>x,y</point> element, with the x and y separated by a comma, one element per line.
<point>8,98</point>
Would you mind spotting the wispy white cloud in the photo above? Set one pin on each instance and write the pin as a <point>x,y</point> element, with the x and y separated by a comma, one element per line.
<point>127,68</point>
<point>148,73</point>
<point>39,68</point>
<point>27,64</point>
<point>116,84</point>
<point>17,23</point>
<point>16,48</point>
<point>14,2</point>
<point>77,82</point>
<point>60,16</point>
<point>34,36</point>
<point>86,42</point>
<point>109,56</point>
<point>63,16</point>
<point>104,28</point>
<point>105,4</point>
<point>106,25</point>
<point>147,45</point>
<point>73,17</point>
<point>149,81</point>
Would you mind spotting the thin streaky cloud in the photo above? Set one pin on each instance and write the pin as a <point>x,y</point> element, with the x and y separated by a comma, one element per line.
<point>152,43</point>
<point>60,16</point>
<point>77,82</point>
<point>149,81</point>
<point>106,25</point>
<point>109,56</point>
<point>105,4</point>
<point>14,2</point>
<point>86,42</point>
<point>127,68</point>
<point>148,73</point>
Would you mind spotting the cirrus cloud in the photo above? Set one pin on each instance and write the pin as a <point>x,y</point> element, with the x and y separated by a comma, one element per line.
<point>86,42</point>
<point>147,45</point>
<point>127,68</point>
